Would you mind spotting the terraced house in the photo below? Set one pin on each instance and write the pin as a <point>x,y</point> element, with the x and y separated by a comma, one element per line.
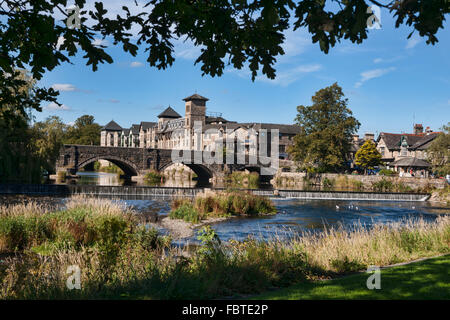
<point>197,130</point>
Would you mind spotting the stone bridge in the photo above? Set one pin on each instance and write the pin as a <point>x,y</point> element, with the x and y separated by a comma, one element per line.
<point>139,161</point>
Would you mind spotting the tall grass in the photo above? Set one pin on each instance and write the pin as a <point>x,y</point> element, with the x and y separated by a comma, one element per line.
<point>84,222</point>
<point>141,264</point>
<point>220,205</point>
<point>240,179</point>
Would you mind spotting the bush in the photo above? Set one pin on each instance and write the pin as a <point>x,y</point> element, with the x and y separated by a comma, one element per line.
<point>383,185</point>
<point>387,172</point>
<point>153,177</point>
<point>240,179</point>
<point>187,212</point>
<point>328,183</point>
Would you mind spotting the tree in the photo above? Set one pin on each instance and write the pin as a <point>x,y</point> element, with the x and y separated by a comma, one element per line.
<point>18,159</point>
<point>367,157</point>
<point>233,32</point>
<point>326,130</point>
<point>47,137</point>
<point>439,152</point>
<point>85,131</point>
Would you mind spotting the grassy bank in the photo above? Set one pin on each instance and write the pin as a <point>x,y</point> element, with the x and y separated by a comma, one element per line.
<point>119,258</point>
<point>220,205</point>
<point>425,280</point>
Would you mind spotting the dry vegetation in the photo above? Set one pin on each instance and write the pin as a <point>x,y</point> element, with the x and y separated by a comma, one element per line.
<point>121,259</point>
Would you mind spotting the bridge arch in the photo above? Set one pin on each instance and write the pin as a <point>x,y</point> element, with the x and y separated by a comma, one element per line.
<point>203,172</point>
<point>127,167</point>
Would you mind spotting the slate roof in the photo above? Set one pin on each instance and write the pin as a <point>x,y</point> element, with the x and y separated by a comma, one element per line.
<point>215,119</point>
<point>169,113</point>
<point>393,140</point>
<point>146,125</point>
<point>134,129</point>
<point>292,129</point>
<point>410,162</point>
<point>425,142</point>
<point>112,126</point>
<point>195,97</point>
<point>126,131</point>
<point>284,128</point>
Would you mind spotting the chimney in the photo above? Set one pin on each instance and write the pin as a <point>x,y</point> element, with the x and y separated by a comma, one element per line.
<point>369,136</point>
<point>418,128</point>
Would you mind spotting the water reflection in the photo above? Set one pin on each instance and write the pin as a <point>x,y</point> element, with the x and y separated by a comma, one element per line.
<point>99,178</point>
<point>114,179</point>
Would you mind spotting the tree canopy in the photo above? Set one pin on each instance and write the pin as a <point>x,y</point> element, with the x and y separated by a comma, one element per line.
<point>439,151</point>
<point>236,32</point>
<point>85,131</point>
<point>367,157</point>
<point>326,130</point>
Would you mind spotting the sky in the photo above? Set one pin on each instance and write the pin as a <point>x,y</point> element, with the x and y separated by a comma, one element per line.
<point>391,82</point>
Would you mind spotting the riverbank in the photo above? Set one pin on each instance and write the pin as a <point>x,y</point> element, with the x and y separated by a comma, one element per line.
<point>119,259</point>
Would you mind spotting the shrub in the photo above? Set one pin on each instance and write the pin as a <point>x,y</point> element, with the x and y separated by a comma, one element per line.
<point>383,185</point>
<point>153,177</point>
<point>328,183</point>
<point>187,212</point>
<point>387,172</point>
<point>240,179</point>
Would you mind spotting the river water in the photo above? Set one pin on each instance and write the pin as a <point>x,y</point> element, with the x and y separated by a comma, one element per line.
<point>294,216</point>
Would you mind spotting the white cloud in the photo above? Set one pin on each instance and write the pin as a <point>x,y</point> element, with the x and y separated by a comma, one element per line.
<point>100,42</point>
<point>378,60</point>
<point>372,74</point>
<point>283,77</point>
<point>54,106</point>
<point>412,42</point>
<point>186,49</point>
<point>136,64</point>
<point>64,87</point>
<point>295,43</point>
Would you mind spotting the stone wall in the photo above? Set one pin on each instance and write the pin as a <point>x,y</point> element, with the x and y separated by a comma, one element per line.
<point>297,179</point>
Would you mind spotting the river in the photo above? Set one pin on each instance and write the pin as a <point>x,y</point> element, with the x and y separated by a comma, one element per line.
<point>294,215</point>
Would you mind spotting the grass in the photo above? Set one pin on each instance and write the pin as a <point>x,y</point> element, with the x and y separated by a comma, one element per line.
<point>240,179</point>
<point>153,177</point>
<point>119,258</point>
<point>220,205</point>
<point>424,280</point>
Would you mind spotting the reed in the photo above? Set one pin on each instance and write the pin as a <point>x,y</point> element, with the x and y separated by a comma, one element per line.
<point>139,263</point>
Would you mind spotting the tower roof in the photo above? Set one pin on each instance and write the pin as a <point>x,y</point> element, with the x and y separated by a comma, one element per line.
<point>195,97</point>
<point>169,113</point>
<point>112,126</point>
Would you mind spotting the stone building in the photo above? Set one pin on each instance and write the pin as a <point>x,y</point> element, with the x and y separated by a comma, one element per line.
<point>197,130</point>
<point>406,153</point>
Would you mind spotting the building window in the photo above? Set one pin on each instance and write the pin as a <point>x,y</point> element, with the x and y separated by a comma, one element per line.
<point>382,151</point>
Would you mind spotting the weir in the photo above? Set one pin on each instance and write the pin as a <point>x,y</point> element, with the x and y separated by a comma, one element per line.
<point>146,192</point>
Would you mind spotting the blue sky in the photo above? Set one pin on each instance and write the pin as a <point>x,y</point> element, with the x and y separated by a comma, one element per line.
<point>389,81</point>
